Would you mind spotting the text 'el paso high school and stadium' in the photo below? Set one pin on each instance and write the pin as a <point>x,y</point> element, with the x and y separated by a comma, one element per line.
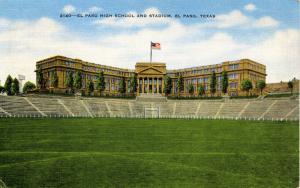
<point>150,76</point>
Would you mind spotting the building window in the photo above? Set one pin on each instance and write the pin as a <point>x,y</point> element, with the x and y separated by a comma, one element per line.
<point>233,66</point>
<point>70,64</point>
<point>205,87</point>
<point>194,81</point>
<point>233,85</point>
<point>233,76</point>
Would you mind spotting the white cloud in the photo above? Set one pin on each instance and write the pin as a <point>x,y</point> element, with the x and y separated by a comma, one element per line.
<point>280,53</point>
<point>265,21</point>
<point>94,9</point>
<point>22,43</point>
<point>236,18</point>
<point>28,40</point>
<point>4,22</point>
<point>68,9</point>
<point>128,22</point>
<point>250,7</point>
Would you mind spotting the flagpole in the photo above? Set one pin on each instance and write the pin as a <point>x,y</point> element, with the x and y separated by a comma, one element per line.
<point>150,51</point>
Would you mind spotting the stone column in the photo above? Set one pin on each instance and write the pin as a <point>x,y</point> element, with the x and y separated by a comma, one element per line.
<point>152,84</point>
<point>138,85</point>
<point>162,85</point>
<point>173,86</point>
<point>148,84</point>
<point>157,86</point>
<point>143,85</point>
<point>110,86</point>
<point>197,86</point>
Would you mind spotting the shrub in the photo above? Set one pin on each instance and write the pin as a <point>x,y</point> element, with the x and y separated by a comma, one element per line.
<point>2,90</point>
<point>261,84</point>
<point>246,85</point>
<point>15,89</point>
<point>201,90</point>
<point>8,85</point>
<point>191,89</point>
<point>28,86</point>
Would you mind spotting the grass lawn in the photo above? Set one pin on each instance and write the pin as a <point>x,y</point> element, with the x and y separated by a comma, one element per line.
<point>83,152</point>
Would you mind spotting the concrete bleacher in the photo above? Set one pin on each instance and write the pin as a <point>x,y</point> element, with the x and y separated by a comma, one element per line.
<point>167,108</point>
<point>97,108</point>
<point>293,114</point>
<point>137,108</point>
<point>257,108</point>
<point>208,108</point>
<point>233,108</point>
<point>48,106</point>
<point>283,108</point>
<point>118,107</point>
<point>75,106</point>
<point>16,106</point>
<point>186,108</point>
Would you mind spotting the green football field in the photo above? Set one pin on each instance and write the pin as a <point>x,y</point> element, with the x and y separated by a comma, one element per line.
<point>81,152</point>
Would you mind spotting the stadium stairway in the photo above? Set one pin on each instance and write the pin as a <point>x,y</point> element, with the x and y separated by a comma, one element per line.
<point>151,97</point>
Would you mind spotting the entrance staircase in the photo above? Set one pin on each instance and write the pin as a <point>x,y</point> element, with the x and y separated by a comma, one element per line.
<point>151,97</point>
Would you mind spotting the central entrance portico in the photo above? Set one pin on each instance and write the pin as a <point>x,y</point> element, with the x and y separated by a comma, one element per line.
<point>150,77</point>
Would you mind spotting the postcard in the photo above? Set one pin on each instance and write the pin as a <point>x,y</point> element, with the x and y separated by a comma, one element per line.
<point>138,93</point>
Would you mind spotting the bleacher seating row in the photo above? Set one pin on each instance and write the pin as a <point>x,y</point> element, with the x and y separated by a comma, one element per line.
<point>283,108</point>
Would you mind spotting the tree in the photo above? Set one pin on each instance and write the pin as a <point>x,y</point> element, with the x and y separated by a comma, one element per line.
<point>8,85</point>
<point>201,90</point>
<point>261,84</point>
<point>91,87</point>
<point>224,82</point>
<point>168,85</point>
<point>40,78</point>
<point>2,89</point>
<point>70,81</point>
<point>291,86</point>
<point>100,84</point>
<point>122,86</point>
<point>191,89</point>
<point>54,79</point>
<point>28,86</point>
<point>213,83</point>
<point>15,89</point>
<point>180,85</point>
<point>133,83</point>
<point>246,85</point>
<point>78,80</point>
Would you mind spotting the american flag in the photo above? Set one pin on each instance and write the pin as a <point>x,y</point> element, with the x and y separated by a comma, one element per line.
<point>155,45</point>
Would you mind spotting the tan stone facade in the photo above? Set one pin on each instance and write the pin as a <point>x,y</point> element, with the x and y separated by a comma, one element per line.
<point>150,76</point>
